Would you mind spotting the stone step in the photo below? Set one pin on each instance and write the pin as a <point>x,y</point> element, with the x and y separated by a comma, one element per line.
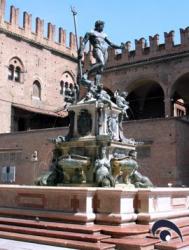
<point>133,244</point>
<point>88,229</point>
<point>174,244</point>
<point>181,222</point>
<point>184,232</point>
<point>121,231</point>
<point>57,242</point>
<point>54,234</point>
<point>115,231</point>
<point>32,212</point>
<point>139,236</point>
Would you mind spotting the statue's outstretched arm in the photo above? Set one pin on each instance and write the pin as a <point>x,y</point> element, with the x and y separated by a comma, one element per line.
<point>114,45</point>
<point>83,43</point>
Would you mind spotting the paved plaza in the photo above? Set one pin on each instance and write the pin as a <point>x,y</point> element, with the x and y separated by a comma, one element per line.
<point>19,245</point>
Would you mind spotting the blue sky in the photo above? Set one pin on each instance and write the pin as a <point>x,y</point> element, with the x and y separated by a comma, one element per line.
<point>125,20</point>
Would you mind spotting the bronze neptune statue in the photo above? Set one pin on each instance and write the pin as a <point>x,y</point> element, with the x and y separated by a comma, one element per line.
<point>99,41</point>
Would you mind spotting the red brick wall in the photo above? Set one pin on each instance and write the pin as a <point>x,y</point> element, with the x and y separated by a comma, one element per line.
<point>168,143</point>
<point>182,152</point>
<point>27,143</point>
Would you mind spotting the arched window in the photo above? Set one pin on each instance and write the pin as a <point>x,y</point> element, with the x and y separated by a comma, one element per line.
<point>68,88</point>
<point>36,90</point>
<point>15,70</point>
<point>66,80</point>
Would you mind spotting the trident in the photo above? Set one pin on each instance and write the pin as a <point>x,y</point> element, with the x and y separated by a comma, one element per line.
<point>77,44</point>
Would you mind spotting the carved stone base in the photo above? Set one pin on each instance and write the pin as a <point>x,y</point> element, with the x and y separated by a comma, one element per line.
<point>115,206</point>
<point>82,205</point>
<point>162,203</point>
<point>57,203</point>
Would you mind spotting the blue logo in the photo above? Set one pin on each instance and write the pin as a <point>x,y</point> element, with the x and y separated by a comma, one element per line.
<point>165,234</point>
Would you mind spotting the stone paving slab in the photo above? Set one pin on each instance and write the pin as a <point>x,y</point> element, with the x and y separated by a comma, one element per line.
<point>19,245</point>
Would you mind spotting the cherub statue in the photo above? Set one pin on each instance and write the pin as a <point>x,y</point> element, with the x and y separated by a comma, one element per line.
<point>121,101</point>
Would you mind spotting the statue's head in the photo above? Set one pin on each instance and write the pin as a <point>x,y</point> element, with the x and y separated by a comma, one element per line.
<point>99,25</point>
<point>133,153</point>
<point>105,182</point>
<point>124,94</point>
<point>102,152</point>
<point>99,88</point>
<point>89,96</point>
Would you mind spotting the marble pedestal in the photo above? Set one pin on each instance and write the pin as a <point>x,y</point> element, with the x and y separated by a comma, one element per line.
<point>56,203</point>
<point>161,203</point>
<point>115,206</point>
<point>88,205</point>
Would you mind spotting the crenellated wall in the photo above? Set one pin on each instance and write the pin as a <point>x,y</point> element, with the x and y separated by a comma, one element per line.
<point>155,49</point>
<point>143,51</point>
<point>25,32</point>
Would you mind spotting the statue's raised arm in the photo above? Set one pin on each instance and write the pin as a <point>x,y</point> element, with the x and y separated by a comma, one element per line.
<point>122,46</point>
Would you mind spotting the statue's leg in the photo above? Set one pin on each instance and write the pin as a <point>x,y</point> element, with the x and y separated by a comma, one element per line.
<point>105,56</point>
<point>100,62</point>
<point>98,79</point>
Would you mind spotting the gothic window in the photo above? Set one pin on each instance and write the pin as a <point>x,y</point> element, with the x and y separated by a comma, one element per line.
<point>36,90</point>
<point>66,81</point>
<point>15,70</point>
<point>68,88</point>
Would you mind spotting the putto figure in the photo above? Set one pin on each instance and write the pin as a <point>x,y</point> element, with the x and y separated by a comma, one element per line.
<point>121,101</point>
<point>99,41</point>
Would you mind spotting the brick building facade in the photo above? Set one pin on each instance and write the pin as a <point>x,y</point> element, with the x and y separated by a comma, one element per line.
<point>35,70</point>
